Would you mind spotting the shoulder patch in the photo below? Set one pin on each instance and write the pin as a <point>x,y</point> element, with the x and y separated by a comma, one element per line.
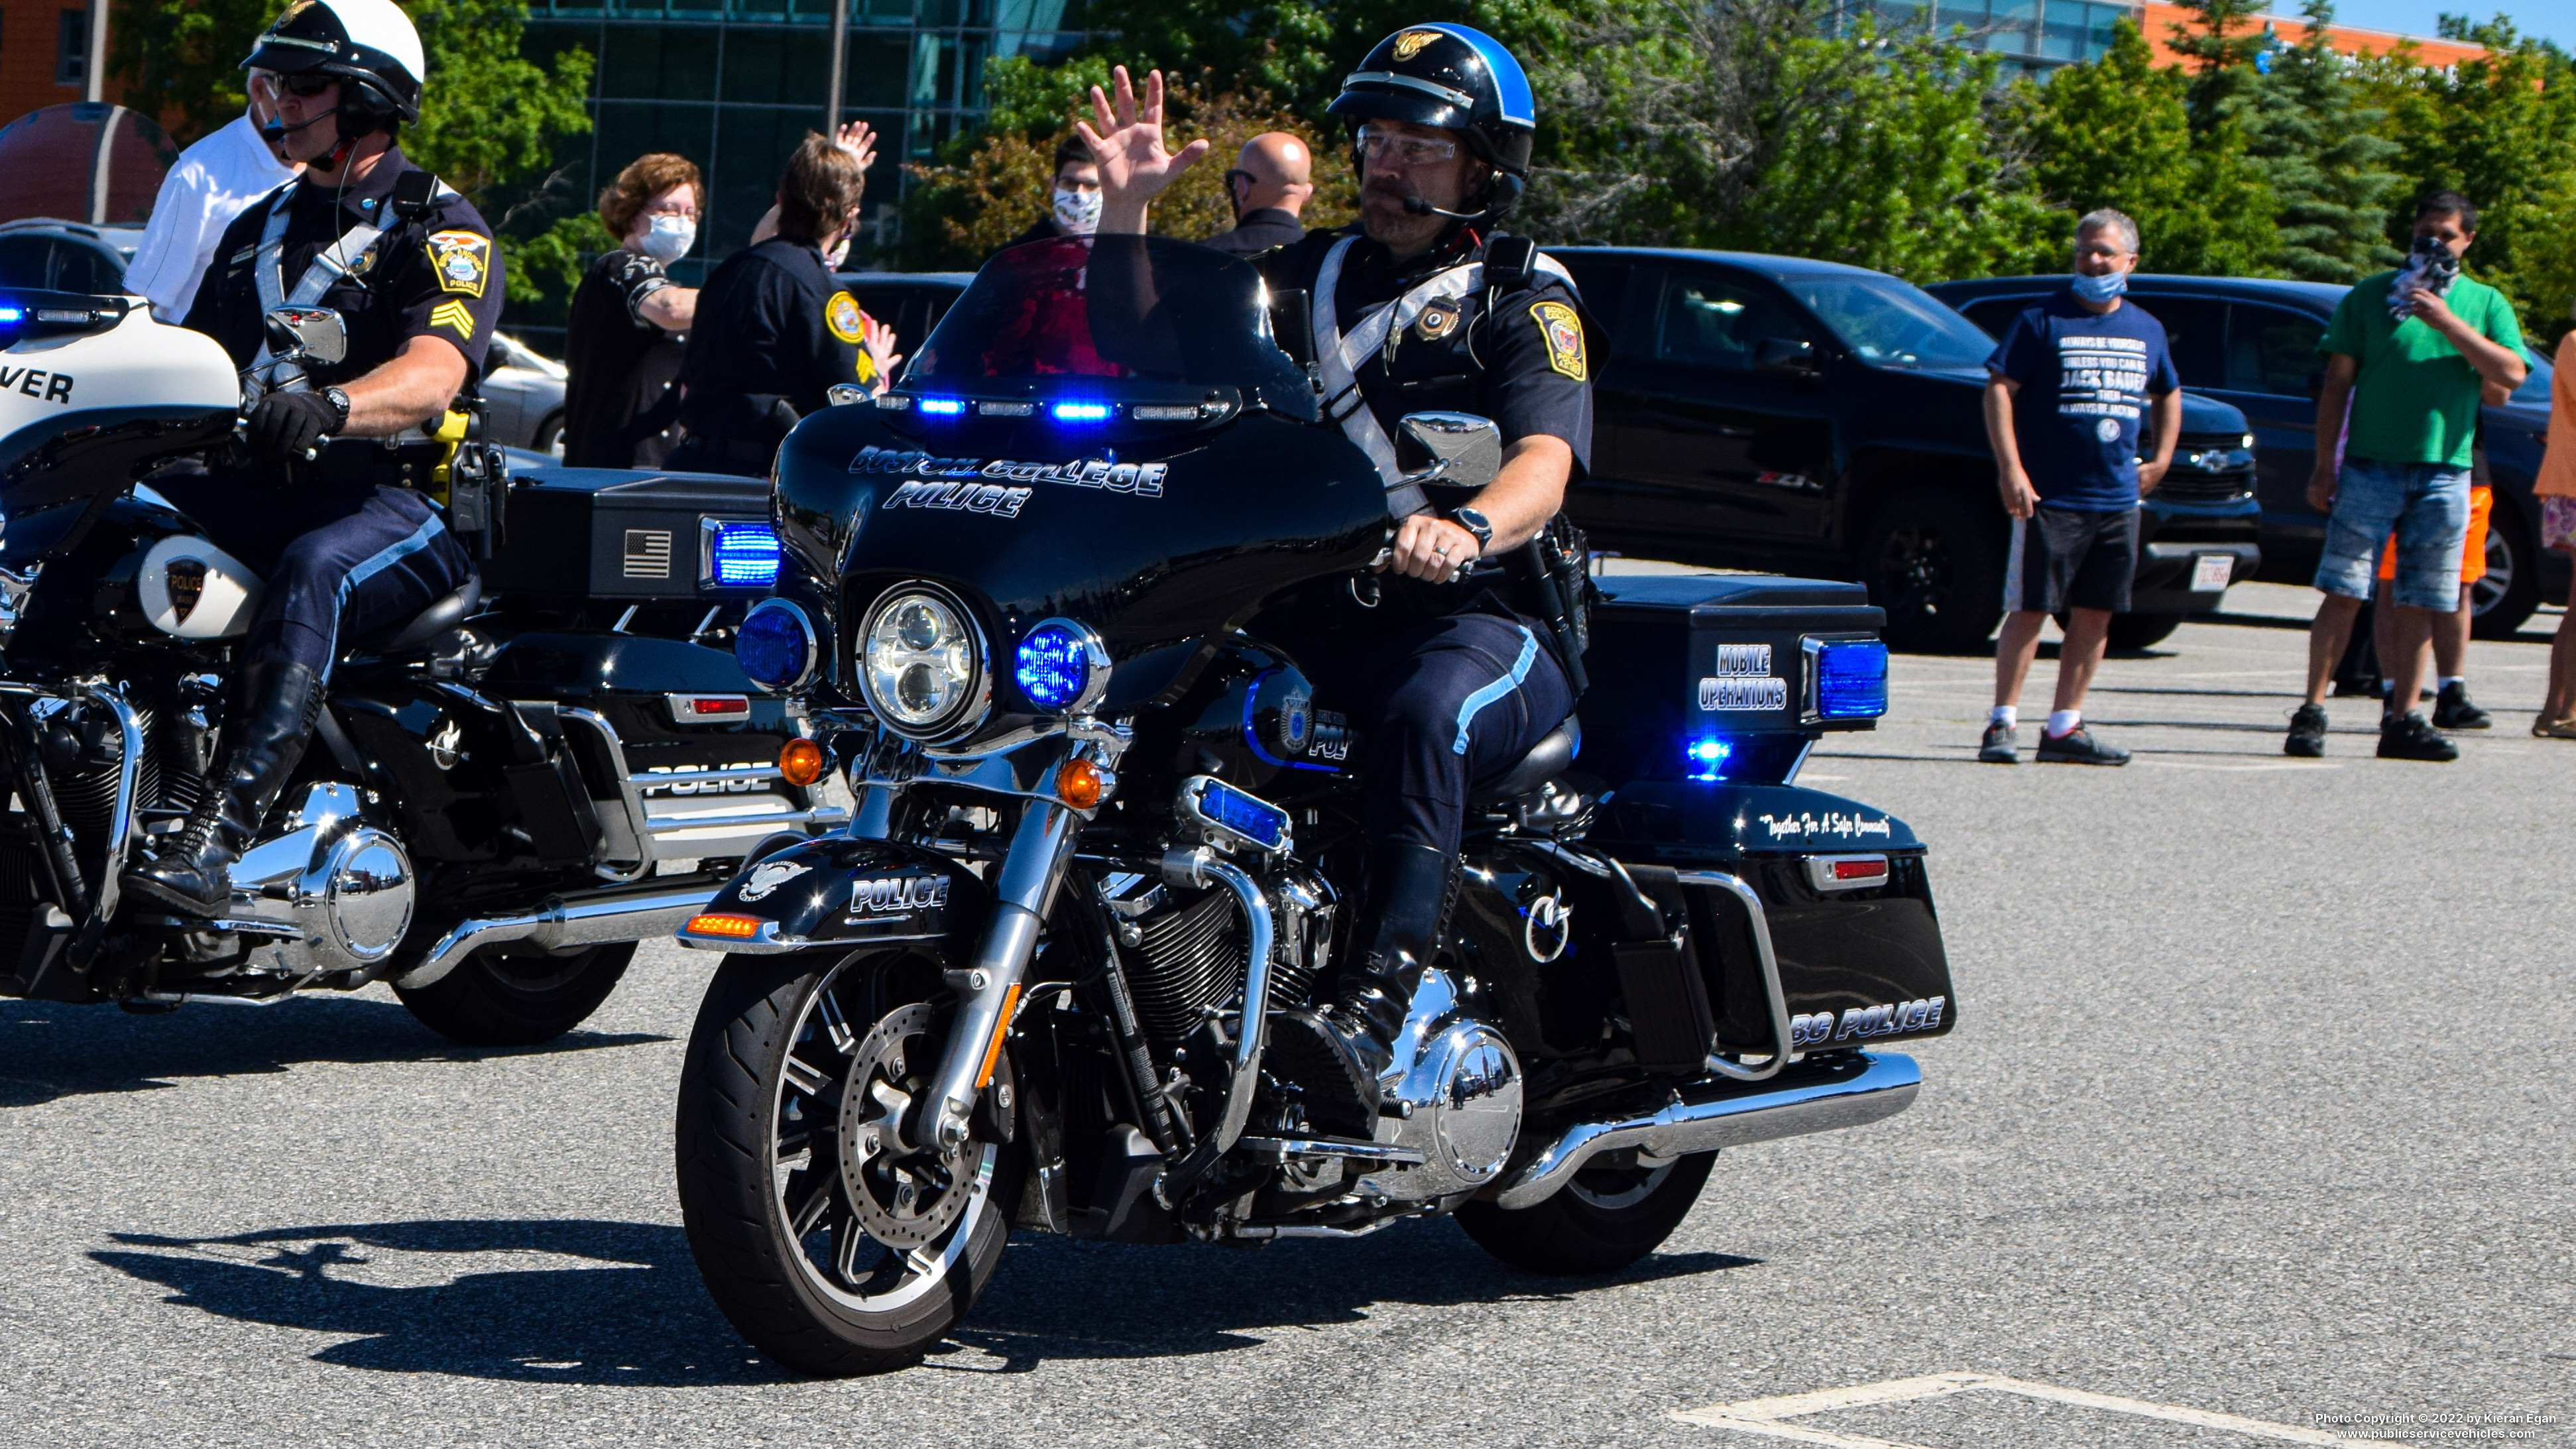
<point>462,259</point>
<point>841,313</point>
<point>1563,332</point>
<point>454,316</point>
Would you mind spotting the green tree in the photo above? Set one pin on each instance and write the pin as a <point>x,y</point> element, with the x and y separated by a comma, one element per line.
<point>181,60</point>
<point>2316,135</point>
<point>2117,132</point>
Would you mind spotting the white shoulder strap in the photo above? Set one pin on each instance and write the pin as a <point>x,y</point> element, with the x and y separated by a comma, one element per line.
<point>329,265</point>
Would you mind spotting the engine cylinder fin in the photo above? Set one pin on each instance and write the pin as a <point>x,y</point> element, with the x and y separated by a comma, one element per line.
<point>1190,961</point>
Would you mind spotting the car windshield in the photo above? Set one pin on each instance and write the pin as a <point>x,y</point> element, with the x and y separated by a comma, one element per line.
<point>1082,315</point>
<point>1892,323</point>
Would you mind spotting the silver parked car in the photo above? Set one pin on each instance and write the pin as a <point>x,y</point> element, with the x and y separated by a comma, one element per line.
<point>524,395</point>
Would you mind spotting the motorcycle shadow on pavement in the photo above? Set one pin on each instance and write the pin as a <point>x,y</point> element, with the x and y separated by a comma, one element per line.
<point>49,1050</point>
<point>495,1299</point>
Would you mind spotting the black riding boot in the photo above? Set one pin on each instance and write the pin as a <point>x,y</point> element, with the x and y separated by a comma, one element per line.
<point>1345,1046</point>
<point>273,709</point>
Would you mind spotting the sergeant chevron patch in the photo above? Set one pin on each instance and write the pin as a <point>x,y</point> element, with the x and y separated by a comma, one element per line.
<point>454,316</point>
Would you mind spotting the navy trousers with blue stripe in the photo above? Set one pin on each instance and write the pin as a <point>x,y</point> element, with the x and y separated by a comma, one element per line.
<point>1470,696</point>
<point>337,562</point>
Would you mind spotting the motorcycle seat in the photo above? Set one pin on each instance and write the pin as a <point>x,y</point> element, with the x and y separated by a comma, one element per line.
<point>442,615</point>
<point>1552,756</point>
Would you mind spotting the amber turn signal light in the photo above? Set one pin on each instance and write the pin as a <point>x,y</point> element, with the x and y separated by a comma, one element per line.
<point>802,762</point>
<point>738,927</point>
<point>1082,784</point>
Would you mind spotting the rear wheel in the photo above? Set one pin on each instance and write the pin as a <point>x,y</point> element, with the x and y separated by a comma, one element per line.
<point>495,998</point>
<point>2501,602</point>
<point>828,1241</point>
<point>1934,560</point>
<point>1616,1211</point>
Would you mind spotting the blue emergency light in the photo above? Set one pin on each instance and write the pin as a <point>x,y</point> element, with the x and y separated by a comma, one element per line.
<point>1081,412</point>
<point>742,554</point>
<point>943,407</point>
<point>1851,678</point>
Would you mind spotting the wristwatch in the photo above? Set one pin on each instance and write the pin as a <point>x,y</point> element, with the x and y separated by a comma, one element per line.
<point>1477,524</point>
<point>340,400</point>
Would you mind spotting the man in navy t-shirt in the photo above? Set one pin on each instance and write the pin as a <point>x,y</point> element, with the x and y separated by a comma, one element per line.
<point>2067,396</point>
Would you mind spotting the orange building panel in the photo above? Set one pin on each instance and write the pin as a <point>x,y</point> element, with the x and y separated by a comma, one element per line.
<point>2160,18</point>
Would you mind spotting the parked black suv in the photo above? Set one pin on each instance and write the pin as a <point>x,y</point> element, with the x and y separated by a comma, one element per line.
<point>2253,343</point>
<point>1801,416</point>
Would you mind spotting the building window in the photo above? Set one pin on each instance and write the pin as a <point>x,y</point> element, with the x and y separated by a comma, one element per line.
<point>71,49</point>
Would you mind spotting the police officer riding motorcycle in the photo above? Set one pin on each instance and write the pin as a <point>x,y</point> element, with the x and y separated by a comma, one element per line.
<point>1423,305</point>
<point>263,730</point>
<point>1200,641</point>
<point>333,517</point>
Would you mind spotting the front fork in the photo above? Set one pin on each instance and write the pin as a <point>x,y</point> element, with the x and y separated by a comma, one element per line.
<point>988,989</point>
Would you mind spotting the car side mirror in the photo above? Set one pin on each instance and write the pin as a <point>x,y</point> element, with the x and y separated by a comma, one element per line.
<point>1794,356</point>
<point>307,334</point>
<point>1455,450</point>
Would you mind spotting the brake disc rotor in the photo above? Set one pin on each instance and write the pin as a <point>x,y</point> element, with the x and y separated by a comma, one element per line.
<point>904,1197</point>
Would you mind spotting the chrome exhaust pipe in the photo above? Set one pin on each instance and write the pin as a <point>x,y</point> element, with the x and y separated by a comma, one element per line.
<point>1884,1087</point>
<point>592,918</point>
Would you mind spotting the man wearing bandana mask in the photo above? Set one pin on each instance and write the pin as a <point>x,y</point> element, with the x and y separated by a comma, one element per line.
<point>1073,202</point>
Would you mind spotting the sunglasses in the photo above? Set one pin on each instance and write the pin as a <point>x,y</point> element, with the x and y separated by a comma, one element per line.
<point>307,84</point>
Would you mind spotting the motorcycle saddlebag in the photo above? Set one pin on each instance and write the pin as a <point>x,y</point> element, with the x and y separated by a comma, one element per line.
<point>629,536</point>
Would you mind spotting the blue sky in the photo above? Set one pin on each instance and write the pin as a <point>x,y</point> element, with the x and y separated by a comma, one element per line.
<point>2553,19</point>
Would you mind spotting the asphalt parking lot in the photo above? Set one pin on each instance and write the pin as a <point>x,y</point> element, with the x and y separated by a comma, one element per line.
<point>2255,1129</point>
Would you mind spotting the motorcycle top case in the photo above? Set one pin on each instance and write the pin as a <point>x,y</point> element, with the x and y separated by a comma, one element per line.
<point>620,534</point>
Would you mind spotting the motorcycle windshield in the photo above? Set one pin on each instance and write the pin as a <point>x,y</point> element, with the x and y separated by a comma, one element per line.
<point>1109,318</point>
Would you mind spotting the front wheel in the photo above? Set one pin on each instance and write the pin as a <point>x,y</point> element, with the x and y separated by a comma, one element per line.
<point>498,998</point>
<point>1616,1211</point>
<point>833,1245</point>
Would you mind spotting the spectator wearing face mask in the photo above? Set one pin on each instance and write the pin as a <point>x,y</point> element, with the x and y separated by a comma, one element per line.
<point>1073,205</point>
<point>630,321</point>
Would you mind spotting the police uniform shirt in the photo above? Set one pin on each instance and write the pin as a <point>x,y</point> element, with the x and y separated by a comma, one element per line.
<point>437,275</point>
<point>772,323</point>
<point>1524,365</point>
<point>1257,231</point>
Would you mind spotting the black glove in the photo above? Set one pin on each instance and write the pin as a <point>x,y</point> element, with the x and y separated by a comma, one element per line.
<point>285,426</point>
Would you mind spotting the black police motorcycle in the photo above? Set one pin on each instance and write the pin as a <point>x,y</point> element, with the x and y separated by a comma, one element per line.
<point>1107,829</point>
<point>503,796</point>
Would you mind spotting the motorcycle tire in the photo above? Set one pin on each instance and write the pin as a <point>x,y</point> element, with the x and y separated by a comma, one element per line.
<point>1608,1217</point>
<point>789,1278</point>
<point>493,999</point>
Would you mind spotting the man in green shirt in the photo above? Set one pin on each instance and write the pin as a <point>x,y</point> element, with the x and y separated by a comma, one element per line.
<point>2406,357</point>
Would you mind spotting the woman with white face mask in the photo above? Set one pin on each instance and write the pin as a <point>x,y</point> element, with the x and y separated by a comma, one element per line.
<point>1073,201</point>
<point>630,321</point>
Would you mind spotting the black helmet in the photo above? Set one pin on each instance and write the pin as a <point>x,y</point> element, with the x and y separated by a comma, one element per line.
<point>369,44</point>
<point>1454,78</point>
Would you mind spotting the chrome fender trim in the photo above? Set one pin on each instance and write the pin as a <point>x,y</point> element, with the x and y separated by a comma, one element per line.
<point>1884,1088</point>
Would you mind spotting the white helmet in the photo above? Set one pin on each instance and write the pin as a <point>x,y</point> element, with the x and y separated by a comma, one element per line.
<point>369,44</point>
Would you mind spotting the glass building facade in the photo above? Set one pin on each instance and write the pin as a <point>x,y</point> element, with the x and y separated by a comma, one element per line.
<point>734,85</point>
<point>2038,35</point>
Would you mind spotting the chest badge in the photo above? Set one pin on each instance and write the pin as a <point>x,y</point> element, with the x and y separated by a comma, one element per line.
<point>1438,320</point>
<point>1562,330</point>
<point>462,259</point>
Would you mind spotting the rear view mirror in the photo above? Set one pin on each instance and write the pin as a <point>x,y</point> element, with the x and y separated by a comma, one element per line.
<point>307,334</point>
<point>1794,356</point>
<point>1456,450</point>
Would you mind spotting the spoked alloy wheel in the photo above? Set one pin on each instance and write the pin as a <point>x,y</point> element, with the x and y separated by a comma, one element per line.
<point>833,1244</point>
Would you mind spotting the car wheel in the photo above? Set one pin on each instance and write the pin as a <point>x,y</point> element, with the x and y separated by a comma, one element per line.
<point>2500,602</point>
<point>2135,631</point>
<point>549,436</point>
<point>1934,560</point>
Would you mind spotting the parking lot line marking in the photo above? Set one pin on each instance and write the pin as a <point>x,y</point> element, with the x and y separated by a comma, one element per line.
<point>1769,1417</point>
<point>2196,765</point>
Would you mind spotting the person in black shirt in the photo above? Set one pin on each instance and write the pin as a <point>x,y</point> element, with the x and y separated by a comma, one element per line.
<point>1420,307</point>
<point>630,322</point>
<point>1073,202</point>
<point>327,508</point>
<point>777,337</point>
<point>1272,180</point>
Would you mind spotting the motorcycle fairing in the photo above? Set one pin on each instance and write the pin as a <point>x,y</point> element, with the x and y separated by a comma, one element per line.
<point>840,891</point>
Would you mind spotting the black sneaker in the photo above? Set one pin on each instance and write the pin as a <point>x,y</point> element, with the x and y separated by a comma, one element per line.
<point>2002,745</point>
<point>2453,711</point>
<point>2307,732</point>
<point>2078,747</point>
<point>2409,736</point>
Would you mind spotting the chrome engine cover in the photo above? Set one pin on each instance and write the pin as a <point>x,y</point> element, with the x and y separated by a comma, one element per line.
<point>1458,1087</point>
<point>336,891</point>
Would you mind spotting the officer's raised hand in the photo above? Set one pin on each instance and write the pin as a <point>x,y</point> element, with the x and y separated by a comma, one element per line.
<point>289,427</point>
<point>1128,147</point>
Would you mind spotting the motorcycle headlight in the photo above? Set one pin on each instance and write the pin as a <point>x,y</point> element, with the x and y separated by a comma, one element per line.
<point>922,663</point>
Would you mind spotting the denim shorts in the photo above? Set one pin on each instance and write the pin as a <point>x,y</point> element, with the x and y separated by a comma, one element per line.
<point>2425,504</point>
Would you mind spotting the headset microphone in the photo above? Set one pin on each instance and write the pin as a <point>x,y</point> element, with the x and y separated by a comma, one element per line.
<point>1416,206</point>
